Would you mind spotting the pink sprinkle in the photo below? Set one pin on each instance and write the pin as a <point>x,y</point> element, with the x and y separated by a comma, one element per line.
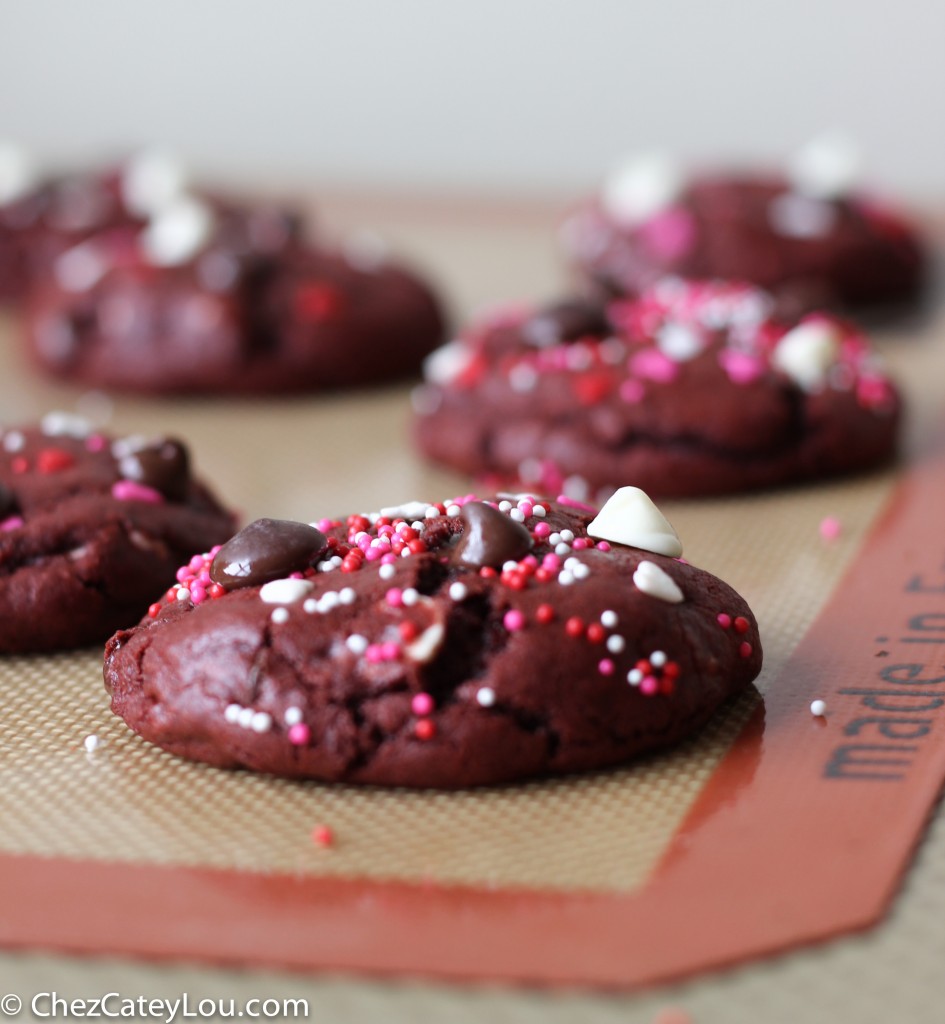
<point>745,649</point>
<point>374,654</point>
<point>128,490</point>
<point>325,525</point>
<point>542,529</point>
<point>602,545</point>
<point>741,367</point>
<point>631,391</point>
<point>580,543</point>
<point>654,365</point>
<point>197,594</point>
<point>723,620</point>
<point>421,704</point>
<point>373,554</point>
<point>389,558</point>
<point>563,499</point>
<point>299,734</point>
<point>649,685</point>
<point>214,551</point>
<point>874,392</point>
<point>184,574</point>
<point>11,523</point>
<point>605,667</point>
<point>95,443</point>
<point>513,620</point>
<point>390,651</point>
<point>395,597</point>
<point>551,562</point>
<point>669,235</point>
<point>830,528</point>
<point>196,563</point>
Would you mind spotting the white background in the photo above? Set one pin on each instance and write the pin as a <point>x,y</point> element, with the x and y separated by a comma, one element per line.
<point>507,96</point>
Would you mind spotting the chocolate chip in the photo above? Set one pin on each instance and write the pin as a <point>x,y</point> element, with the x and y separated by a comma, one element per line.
<point>268,549</point>
<point>164,466</point>
<point>7,501</point>
<point>490,537</point>
<point>563,321</point>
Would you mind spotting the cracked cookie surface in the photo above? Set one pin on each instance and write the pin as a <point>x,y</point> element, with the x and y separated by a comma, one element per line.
<point>696,388</point>
<point>91,530</point>
<point>451,644</point>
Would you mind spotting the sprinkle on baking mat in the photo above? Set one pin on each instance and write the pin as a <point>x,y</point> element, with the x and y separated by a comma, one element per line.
<point>830,528</point>
<point>323,835</point>
<point>818,708</point>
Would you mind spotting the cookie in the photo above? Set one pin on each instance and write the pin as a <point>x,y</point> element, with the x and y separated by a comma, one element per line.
<point>91,528</point>
<point>694,389</point>
<point>456,644</point>
<point>168,289</point>
<point>809,236</point>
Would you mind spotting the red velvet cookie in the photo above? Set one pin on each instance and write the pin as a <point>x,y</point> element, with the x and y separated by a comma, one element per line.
<point>809,236</point>
<point>694,389</point>
<point>91,529</point>
<point>456,644</point>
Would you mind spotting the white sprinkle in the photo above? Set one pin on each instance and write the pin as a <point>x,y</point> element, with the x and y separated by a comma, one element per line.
<point>347,595</point>
<point>151,180</point>
<point>431,513</point>
<point>539,511</point>
<point>565,578</point>
<point>581,571</point>
<point>518,515</point>
<point>183,594</point>
<point>91,743</point>
<point>567,536</point>
<point>177,232</point>
<point>293,715</point>
<point>453,510</point>
<point>523,378</point>
<point>232,713</point>
<point>505,506</point>
<point>65,424</point>
<point>14,441</point>
<point>279,616</point>
<point>285,591</point>
<point>615,644</point>
<point>326,566</point>
<point>562,549</point>
<point>447,362</point>
<point>650,579</point>
<point>328,602</point>
<point>386,571</point>
<point>261,722</point>
<point>634,677</point>
<point>356,643</point>
<point>510,565</point>
<point>310,605</point>
<point>416,525</point>
<point>554,538</point>
<point>80,268</point>
<point>245,717</point>
<point>410,597</point>
<point>485,696</point>
<point>818,708</point>
<point>658,659</point>
<point>458,591</point>
<point>608,619</point>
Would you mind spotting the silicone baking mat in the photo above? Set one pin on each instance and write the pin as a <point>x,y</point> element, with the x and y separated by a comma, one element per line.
<point>759,833</point>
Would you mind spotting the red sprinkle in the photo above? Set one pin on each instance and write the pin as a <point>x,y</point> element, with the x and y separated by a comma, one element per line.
<point>322,835</point>
<point>153,610</point>
<point>409,631</point>
<point>596,633</point>
<point>574,626</point>
<point>52,460</point>
<point>318,301</point>
<point>425,729</point>
<point>745,649</point>
<point>741,624</point>
<point>544,613</point>
<point>216,590</point>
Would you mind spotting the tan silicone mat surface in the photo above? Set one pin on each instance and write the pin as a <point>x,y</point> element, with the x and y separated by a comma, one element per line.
<point>300,458</point>
<point>130,801</point>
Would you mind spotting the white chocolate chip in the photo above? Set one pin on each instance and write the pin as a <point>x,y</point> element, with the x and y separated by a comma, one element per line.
<point>284,591</point>
<point>409,510</point>
<point>447,362</point>
<point>641,187</point>
<point>178,232</point>
<point>826,167</point>
<point>630,518</point>
<point>151,181</point>
<point>17,172</point>
<point>427,643</point>
<point>656,582</point>
<point>808,352</point>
